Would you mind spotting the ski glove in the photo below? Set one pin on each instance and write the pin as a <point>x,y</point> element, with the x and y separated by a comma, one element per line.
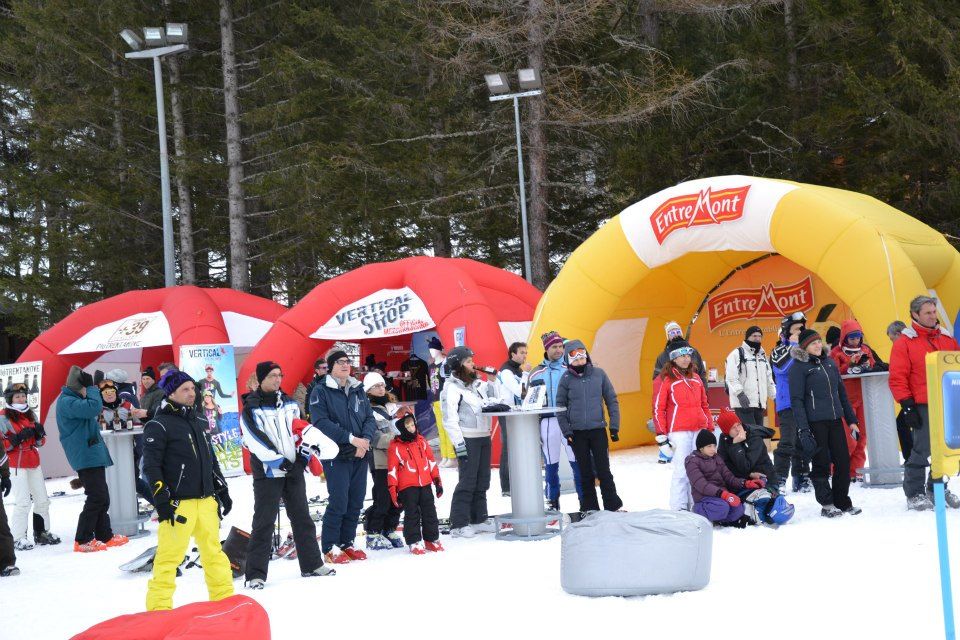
<point>615,435</point>
<point>743,400</point>
<point>808,444</point>
<point>286,465</point>
<point>911,417</point>
<point>85,379</point>
<point>754,484</point>
<point>665,446</point>
<point>730,498</point>
<point>166,512</point>
<point>439,487</point>
<point>5,485</point>
<point>461,451</point>
<point>222,495</point>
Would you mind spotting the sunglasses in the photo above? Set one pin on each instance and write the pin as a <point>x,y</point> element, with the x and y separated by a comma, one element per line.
<point>343,362</point>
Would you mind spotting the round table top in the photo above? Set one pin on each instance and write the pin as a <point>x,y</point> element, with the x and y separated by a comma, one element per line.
<point>871,374</point>
<point>132,432</point>
<point>525,412</point>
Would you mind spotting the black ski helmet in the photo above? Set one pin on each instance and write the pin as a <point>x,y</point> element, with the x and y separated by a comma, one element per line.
<point>456,356</point>
<point>792,319</point>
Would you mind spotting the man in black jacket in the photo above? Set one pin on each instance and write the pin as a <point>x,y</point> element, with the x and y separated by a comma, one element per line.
<point>319,373</point>
<point>189,492</point>
<point>340,409</point>
<point>744,451</point>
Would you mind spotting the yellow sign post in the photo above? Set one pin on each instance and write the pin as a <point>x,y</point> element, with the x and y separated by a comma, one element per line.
<point>943,397</point>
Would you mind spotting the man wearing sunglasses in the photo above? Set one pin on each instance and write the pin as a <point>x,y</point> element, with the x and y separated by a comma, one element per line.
<point>583,390</point>
<point>787,458</point>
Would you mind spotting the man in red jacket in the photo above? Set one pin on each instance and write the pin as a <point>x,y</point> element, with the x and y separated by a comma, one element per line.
<point>908,382</point>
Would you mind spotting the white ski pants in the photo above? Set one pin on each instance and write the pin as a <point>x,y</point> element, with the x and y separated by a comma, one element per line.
<point>27,484</point>
<point>683,445</point>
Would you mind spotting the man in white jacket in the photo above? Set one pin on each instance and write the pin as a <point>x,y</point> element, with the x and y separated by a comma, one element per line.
<point>512,379</point>
<point>749,378</point>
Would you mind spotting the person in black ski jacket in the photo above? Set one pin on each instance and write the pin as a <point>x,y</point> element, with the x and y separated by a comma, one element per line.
<point>819,403</point>
<point>583,391</point>
<point>189,492</point>
<point>319,372</point>
<point>744,451</point>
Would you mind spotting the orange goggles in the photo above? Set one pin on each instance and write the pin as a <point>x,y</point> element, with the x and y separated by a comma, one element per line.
<point>578,354</point>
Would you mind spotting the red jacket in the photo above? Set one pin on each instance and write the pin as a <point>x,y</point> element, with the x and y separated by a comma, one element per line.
<point>681,405</point>
<point>908,368</point>
<point>410,464</point>
<point>844,360</point>
<point>24,455</point>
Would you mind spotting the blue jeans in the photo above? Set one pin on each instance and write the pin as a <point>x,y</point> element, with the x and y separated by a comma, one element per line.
<point>347,486</point>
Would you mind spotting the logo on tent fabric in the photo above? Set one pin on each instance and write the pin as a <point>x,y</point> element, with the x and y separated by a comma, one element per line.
<point>388,312</point>
<point>697,209</point>
<point>767,301</point>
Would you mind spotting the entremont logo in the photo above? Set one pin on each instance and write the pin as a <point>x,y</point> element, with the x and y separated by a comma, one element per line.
<point>696,209</point>
<point>769,301</point>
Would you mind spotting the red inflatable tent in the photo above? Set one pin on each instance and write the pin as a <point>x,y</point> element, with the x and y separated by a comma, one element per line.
<point>380,301</point>
<point>141,328</point>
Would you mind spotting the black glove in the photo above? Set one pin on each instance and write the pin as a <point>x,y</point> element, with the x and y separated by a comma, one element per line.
<point>439,487</point>
<point>14,438</point>
<point>808,444</point>
<point>224,503</point>
<point>286,465</point>
<point>97,377</point>
<point>744,400</point>
<point>41,432</point>
<point>85,379</point>
<point>27,433</point>
<point>615,435</point>
<point>495,408</point>
<point>911,417</point>
<point>166,512</point>
<point>5,485</point>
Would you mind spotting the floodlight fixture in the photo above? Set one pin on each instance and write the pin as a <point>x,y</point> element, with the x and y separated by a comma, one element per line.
<point>529,79</point>
<point>133,41</point>
<point>155,36</point>
<point>497,83</point>
<point>176,33</point>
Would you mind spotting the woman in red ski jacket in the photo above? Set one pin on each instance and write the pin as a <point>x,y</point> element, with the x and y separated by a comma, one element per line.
<point>411,470</point>
<point>22,437</point>
<point>680,411</point>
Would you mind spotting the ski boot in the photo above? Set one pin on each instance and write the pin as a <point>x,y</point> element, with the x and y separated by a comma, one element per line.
<point>417,549</point>
<point>6,572</point>
<point>952,500</point>
<point>830,511</point>
<point>45,538</point>
<point>433,546</point>
<point>396,540</point>
<point>919,502</point>
<point>23,544</point>
<point>319,572</point>
<point>378,542</point>
<point>354,554</point>
<point>801,484</point>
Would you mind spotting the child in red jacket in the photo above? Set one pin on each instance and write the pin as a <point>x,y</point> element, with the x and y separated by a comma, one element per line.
<point>22,437</point>
<point>410,471</point>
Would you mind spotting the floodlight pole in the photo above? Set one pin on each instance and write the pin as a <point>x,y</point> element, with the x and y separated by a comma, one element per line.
<point>528,274</point>
<point>169,270</point>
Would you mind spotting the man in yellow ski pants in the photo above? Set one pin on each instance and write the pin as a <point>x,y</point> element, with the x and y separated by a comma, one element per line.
<point>189,491</point>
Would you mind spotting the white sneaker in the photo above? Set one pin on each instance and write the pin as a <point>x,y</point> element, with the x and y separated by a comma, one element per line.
<point>447,463</point>
<point>23,544</point>
<point>463,532</point>
<point>486,526</point>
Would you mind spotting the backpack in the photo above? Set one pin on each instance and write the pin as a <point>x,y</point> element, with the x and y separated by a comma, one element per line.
<point>743,359</point>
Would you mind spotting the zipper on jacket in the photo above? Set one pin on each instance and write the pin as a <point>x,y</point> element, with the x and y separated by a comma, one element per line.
<point>833,407</point>
<point>183,466</point>
<point>813,400</point>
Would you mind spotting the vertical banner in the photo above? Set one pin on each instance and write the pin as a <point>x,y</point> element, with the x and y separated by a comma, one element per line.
<point>460,336</point>
<point>29,375</point>
<point>214,368</point>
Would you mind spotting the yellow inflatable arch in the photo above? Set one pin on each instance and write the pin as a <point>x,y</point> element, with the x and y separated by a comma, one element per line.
<point>658,259</point>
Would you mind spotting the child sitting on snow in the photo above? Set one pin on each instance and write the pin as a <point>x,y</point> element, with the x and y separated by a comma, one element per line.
<point>410,471</point>
<point>713,486</point>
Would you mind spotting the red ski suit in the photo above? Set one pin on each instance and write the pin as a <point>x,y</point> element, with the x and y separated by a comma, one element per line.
<point>410,464</point>
<point>845,360</point>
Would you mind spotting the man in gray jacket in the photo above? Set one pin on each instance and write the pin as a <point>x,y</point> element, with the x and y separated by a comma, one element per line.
<point>583,390</point>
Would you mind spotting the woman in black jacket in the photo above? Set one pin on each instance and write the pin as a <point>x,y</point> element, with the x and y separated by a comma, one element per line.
<point>819,403</point>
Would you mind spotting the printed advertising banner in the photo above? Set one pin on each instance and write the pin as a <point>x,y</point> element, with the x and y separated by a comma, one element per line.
<point>388,312</point>
<point>133,332</point>
<point>214,368</point>
<point>27,373</point>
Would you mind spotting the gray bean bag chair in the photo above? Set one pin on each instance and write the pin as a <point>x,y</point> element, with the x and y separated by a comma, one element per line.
<point>636,554</point>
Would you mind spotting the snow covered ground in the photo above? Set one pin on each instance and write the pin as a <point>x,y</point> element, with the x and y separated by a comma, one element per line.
<point>872,575</point>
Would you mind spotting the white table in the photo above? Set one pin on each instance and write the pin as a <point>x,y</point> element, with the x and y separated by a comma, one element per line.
<point>883,446</point>
<point>122,483</point>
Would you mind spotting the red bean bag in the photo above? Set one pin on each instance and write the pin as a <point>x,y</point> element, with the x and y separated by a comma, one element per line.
<point>234,618</point>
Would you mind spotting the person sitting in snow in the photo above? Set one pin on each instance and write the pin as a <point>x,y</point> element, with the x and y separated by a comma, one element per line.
<point>411,470</point>
<point>743,450</point>
<point>714,486</point>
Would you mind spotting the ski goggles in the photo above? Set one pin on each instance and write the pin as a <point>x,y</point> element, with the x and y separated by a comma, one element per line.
<point>796,316</point>
<point>578,354</point>
<point>682,351</point>
<point>674,333</point>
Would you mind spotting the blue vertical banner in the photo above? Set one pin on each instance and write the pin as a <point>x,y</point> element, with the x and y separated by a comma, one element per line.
<point>214,368</point>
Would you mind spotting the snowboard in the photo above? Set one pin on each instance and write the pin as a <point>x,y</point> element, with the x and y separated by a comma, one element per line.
<point>143,563</point>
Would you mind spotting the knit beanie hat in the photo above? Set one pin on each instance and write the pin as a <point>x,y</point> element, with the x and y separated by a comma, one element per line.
<point>705,438</point>
<point>752,329</point>
<point>551,338</point>
<point>173,380</point>
<point>434,343</point>
<point>73,379</point>
<point>806,337</point>
<point>149,373</point>
<point>671,327</point>
<point>264,368</point>
<point>726,420</point>
<point>372,379</point>
<point>333,356</point>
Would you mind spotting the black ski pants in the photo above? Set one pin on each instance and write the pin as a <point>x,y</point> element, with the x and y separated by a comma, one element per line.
<point>94,521</point>
<point>590,448</point>
<point>266,506</point>
<point>787,455</point>
<point>419,511</point>
<point>832,448</point>
<point>469,503</point>
<point>7,556</point>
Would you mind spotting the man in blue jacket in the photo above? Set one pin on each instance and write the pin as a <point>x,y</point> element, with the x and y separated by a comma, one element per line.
<point>78,406</point>
<point>548,374</point>
<point>340,409</point>
<point>787,453</point>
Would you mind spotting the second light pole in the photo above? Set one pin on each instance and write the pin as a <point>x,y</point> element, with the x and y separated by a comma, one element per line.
<point>531,85</point>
